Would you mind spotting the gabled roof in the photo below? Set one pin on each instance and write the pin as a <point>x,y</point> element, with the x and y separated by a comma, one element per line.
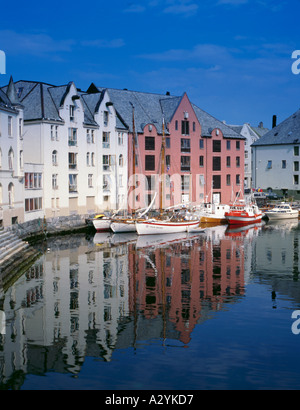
<point>43,101</point>
<point>152,108</point>
<point>287,132</point>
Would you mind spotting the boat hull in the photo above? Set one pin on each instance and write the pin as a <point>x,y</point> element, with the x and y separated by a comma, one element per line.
<point>101,224</point>
<point>212,219</point>
<point>164,227</point>
<point>243,220</point>
<point>123,226</point>
<point>276,215</point>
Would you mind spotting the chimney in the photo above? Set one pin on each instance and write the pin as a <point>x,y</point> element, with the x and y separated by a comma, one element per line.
<point>261,125</point>
<point>274,121</point>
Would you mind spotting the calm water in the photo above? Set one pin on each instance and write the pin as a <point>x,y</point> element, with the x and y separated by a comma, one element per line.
<point>205,311</point>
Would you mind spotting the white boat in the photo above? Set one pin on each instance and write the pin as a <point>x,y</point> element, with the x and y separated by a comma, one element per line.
<point>101,222</point>
<point>241,213</point>
<point>282,211</point>
<point>123,225</point>
<point>156,226</point>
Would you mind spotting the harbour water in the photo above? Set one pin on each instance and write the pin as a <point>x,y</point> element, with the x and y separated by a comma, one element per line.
<point>212,310</point>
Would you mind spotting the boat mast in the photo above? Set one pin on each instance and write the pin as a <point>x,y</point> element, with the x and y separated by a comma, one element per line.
<point>162,176</point>
<point>133,157</point>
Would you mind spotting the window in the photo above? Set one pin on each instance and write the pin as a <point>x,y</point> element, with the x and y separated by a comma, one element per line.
<point>106,139</point>
<point>149,162</point>
<point>296,151</point>
<point>88,136</point>
<point>194,126</point>
<point>150,184</point>
<point>52,132</point>
<point>269,164</point>
<point>201,144</point>
<point>9,126</point>
<point>20,128</point>
<point>296,179</point>
<point>216,146</point>
<point>185,145</point>
<point>11,194</point>
<point>72,137</point>
<point>176,125</point>
<point>106,182</point>
<point>185,127</point>
<point>21,159</point>
<point>228,179</point>
<point>168,142</point>
<point>93,136</point>
<point>238,145</point>
<point>121,160</point>
<point>33,180</point>
<point>296,166</point>
<point>283,164</point>
<point>237,161</point>
<point>216,163</point>
<point>92,159</point>
<point>87,159</point>
<point>72,160</point>
<point>90,180</point>
<point>246,154</point>
<point>105,118</point>
<point>185,163</point>
<point>149,143</point>
<point>120,138</point>
<point>238,179</point>
<point>105,162</point>
<point>73,183</point>
<point>228,145</point>
<point>10,159</point>
<point>168,161</point>
<point>33,204</point>
<point>56,132</point>
<point>185,182</point>
<point>54,158</point>
<point>72,112</point>
<point>228,162</point>
<point>201,161</point>
<point>216,181</point>
<point>54,181</point>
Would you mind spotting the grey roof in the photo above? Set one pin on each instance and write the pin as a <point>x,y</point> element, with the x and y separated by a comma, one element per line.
<point>43,101</point>
<point>287,132</point>
<point>153,108</point>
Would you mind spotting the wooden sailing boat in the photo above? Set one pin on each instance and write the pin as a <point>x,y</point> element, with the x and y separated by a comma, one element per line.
<point>166,225</point>
<point>128,224</point>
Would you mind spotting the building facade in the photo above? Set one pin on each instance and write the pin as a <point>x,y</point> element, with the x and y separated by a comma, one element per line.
<point>276,158</point>
<point>11,159</point>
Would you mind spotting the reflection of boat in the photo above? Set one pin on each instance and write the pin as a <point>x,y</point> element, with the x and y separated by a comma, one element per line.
<point>282,211</point>
<point>156,226</point>
<point>241,213</point>
<point>145,241</point>
<point>242,230</point>
<point>101,222</point>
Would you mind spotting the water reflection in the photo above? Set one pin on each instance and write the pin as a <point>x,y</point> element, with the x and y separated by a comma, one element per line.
<point>88,297</point>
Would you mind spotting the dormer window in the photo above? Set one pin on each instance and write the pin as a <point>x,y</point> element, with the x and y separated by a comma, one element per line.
<point>72,112</point>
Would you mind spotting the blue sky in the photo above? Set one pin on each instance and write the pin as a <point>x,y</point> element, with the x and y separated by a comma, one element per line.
<point>232,57</point>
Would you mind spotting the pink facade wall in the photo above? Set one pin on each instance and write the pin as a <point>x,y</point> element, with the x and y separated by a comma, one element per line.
<point>196,192</point>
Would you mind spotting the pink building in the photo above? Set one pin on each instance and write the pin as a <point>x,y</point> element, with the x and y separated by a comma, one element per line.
<point>203,157</point>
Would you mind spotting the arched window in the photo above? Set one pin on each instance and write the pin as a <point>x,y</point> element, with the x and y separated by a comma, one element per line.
<point>54,157</point>
<point>10,158</point>
<point>121,161</point>
<point>11,194</point>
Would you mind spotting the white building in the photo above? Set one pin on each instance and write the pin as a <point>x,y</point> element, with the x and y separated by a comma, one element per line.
<point>75,151</point>
<point>276,158</point>
<point>11,158</point>
<point>251,134</point>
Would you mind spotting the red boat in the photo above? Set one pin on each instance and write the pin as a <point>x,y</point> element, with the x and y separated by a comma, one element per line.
<point>243,214</point>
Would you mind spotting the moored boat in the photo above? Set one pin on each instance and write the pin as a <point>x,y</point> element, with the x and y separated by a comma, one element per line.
<point>282,211</point>
<point>156,226</point>
<point>213,213</point>
<point>101,222</point>
<point>241,213</point>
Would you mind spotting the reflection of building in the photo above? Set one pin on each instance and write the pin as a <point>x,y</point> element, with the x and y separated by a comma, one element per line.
<point>81,299</point>
<point>179,280</point>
